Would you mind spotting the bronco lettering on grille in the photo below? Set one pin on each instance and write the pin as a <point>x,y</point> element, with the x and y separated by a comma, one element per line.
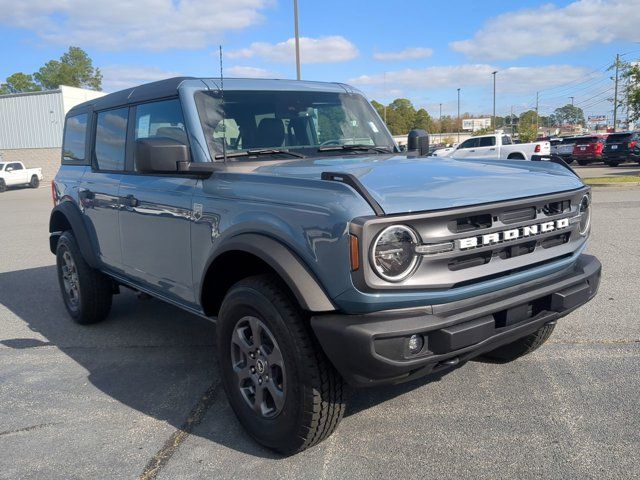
<point>513,234</point>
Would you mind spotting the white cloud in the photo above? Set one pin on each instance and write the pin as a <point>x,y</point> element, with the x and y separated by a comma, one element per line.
<point>124,24</point>
<point>510,80</point>
<point>312,50</point>
<point>249,72</point>
<point>119,77</point>
<point>406,54</point>
<point>549,30</point>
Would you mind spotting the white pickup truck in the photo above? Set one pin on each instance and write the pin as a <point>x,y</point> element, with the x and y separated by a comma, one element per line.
<point>15,173</point>
<point>495,147</point>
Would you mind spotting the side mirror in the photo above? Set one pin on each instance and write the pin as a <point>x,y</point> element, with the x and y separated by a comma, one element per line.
<point>8,169</point>
<point>418,141</point>
<point>160,155</point>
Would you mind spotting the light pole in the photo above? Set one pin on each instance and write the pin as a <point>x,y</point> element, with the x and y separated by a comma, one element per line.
<point>297,36</point>
<point>493,121</point>
<point>458,122</point>
<point>440,120</point>
<point>572,100</point>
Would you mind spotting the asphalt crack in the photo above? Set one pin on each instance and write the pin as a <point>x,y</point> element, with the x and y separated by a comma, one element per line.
<point>28,429</point>
<point>195,417</point>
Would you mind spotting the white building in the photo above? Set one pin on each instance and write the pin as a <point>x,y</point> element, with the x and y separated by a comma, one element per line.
<point>31,125</point>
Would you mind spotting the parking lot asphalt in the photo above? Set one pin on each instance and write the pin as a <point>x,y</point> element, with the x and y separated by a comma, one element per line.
<point>138,396</point>
<point>600,170</point>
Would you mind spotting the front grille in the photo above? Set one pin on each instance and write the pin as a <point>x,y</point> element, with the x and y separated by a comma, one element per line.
<point>485,242</point>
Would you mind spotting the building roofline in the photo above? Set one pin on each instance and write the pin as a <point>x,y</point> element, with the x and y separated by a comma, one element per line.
<point>26,94</point>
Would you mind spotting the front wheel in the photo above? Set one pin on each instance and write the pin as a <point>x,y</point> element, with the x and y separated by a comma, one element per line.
<point>35,182</point>
<point>279,383</point>
<point>522,346</point>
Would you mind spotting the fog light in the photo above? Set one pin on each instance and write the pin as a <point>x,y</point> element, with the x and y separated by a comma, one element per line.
<point>415,344</point>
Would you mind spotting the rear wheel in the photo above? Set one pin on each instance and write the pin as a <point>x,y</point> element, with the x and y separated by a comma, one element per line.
<point>3,186</point>
<point>86,292</point>
<point>568,160</point>
<point>515,156</point>
<point>522,346</point>
<point>583,162</point>
<point>279,383</point>
<point>35,182</point>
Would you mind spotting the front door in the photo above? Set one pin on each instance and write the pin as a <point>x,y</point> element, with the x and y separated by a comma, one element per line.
<point>466,149</point>
<point>156,213</point>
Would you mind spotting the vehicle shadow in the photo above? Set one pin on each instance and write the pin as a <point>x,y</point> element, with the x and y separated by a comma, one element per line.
<point>148,355</point>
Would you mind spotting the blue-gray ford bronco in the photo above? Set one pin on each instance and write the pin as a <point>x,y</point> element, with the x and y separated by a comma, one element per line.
<point>285,212</point>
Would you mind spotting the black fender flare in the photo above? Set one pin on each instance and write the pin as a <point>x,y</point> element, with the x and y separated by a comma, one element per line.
<point>291,269</point>
<point>72,214</point>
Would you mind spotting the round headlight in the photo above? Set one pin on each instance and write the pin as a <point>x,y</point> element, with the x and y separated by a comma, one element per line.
<point>585,214</point>
<point>393,254</point>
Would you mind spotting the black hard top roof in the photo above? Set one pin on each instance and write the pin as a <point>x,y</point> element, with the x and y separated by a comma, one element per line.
<point>148,91</point>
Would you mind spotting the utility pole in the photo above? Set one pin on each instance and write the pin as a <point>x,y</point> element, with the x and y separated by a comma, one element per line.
<point>493,120</point>
<point>615,95</point>
<point>537,105</point>
<point>572,100</point>
<point>458,122</point>
<point>297,36</point>
<point>440,118</point>
<point>511,120</point>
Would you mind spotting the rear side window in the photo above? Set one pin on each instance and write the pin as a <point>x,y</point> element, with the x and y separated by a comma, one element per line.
<point>75,134</point>
<point>487,141</point>
<point>506,140</point>
<point>111,138</point>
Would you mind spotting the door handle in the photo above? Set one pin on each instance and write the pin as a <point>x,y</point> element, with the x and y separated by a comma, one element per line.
<point>131,201</point>
<point>492,149</point>
<point>472,150</point>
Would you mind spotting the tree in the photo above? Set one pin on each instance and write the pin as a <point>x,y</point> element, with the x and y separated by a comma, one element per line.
<point>569,115</point>
<point>422,120</point>
<point>19,82</point>
<point>74,69</point>
<point>632,77</point>
<point>527,132</point>
<point>528,117</point>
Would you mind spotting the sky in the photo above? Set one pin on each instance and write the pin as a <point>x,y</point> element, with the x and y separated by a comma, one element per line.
<point>423,50</point>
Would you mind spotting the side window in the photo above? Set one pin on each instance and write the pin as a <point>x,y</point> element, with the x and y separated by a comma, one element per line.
<point>470,143</point>
<point>16,166</point>
<point>487,141</point>
<point>161,119</point>
<point>506,140</point>
<point>75,134</point>
<point>111,138</point>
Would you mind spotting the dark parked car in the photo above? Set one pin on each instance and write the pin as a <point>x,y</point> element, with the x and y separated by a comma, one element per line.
<point>588,149</point>
<point>621,147</point>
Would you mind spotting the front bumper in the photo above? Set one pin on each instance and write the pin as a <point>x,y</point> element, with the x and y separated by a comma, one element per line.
<point>371,349</point>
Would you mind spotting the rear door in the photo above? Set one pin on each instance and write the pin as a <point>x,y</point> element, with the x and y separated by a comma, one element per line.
<point>99,186</point>
<point>155,219</point>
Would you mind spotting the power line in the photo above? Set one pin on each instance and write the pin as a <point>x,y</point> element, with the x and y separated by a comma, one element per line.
<point>582,102</point>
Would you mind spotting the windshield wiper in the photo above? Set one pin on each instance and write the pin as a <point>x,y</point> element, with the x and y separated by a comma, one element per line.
<point>258,152</point>
<point>335,148</point>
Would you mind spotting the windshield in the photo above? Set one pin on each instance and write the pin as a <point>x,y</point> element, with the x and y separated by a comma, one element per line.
<point>586,140</point>
<point>566,141</point>
<point>299,121</point>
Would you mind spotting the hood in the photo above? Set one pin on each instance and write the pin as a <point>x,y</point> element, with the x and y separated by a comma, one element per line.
<point>410,184</point>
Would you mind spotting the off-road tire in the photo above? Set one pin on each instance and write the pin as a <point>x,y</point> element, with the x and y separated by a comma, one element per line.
<point>314,401</point>
<point>522,346</point>
<point>35,182</point>
<point>95,289</point>
<point>582,163</point>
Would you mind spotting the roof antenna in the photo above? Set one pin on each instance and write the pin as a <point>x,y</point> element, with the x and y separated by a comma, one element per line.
<point>224,114</point>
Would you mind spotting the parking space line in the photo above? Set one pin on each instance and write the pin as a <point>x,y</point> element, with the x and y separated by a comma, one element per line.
<point>162,456</point>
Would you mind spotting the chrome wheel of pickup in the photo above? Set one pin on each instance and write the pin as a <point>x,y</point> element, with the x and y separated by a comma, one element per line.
<point>258,365</point>
<point>70,279</point>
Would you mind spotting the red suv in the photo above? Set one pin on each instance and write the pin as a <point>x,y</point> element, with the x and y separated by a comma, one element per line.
<point>588,149</point>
